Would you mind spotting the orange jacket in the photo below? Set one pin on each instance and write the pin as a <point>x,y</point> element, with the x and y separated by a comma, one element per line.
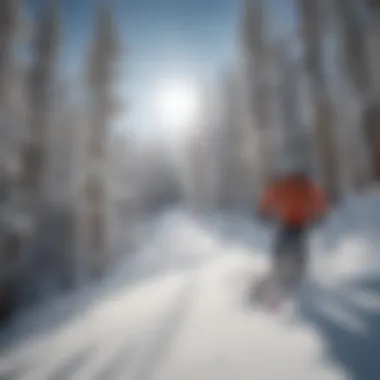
<point>294,201</point>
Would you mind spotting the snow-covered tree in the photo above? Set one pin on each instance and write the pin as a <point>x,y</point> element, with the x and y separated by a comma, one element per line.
<point>258,76</point>
<point>101,72</point>
<point>42,87</point>
<point>293,137</point>
<point>203,154</point>
<point>231,136</point>
<point>9,13</point>
<point>23,215</point>
<point>371,117</point>
<point>354,64</point>
<point>312,21</point>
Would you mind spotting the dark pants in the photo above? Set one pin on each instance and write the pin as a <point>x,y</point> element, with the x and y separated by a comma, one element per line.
<point>291,251</point>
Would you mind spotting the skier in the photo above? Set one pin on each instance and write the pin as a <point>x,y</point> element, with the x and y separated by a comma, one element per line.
<point>296,203</point>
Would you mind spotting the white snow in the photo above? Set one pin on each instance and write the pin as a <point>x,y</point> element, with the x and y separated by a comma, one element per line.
<point>177,309</point>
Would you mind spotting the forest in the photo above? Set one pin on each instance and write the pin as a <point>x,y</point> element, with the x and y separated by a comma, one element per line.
<point>76,193</point>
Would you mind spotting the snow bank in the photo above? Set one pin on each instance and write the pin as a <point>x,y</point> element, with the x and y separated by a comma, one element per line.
<point>347,245</point>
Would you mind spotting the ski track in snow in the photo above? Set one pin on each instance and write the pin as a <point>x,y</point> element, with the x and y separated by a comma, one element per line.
<point>177,311</point>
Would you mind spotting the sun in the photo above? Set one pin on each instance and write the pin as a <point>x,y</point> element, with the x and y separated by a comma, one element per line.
<point>177,103</point>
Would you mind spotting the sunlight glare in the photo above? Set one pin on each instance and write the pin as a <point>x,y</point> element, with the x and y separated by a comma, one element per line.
<point>177,104</point>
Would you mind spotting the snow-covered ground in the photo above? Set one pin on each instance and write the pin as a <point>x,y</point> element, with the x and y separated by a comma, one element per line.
<point>177,310</point>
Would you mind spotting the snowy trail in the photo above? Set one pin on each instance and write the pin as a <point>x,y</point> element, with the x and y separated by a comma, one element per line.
<point>128,323</point>
<point>177,311</point>
<point>225,339</point>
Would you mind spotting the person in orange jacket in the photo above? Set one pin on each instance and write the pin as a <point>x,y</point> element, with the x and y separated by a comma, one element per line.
<point>296,203</point>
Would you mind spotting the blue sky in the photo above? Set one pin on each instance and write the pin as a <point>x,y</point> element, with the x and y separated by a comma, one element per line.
<point>159,38</point>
